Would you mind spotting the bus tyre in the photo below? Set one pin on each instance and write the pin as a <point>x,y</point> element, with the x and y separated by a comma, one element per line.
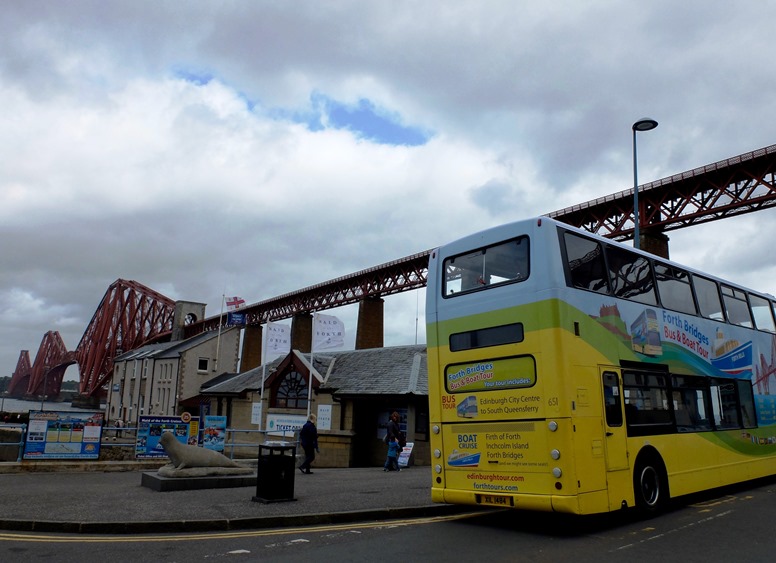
<point>650,486</point>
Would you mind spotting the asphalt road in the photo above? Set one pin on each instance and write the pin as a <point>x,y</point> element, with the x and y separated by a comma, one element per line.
<point>730,525</point>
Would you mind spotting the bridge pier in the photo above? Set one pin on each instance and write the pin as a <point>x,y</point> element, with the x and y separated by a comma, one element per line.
<point>86,402</point>
<point>251,348</point>
<point>654,242</point>
<point>369,332</point>
<point>302,332</point>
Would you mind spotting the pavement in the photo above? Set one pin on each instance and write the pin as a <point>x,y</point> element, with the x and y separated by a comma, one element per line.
<point>108,498</point>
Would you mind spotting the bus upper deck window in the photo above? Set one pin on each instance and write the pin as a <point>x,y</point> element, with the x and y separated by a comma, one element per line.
<point>488,266</point>
<point>585,261</point>
<point>709,302</point>
<point>762,312</point>
<point>736,306</point>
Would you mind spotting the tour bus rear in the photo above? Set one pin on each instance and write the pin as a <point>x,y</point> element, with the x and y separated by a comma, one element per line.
<point>501,432</point>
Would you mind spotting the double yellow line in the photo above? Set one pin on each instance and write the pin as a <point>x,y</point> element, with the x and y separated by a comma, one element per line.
<point>77,538</point>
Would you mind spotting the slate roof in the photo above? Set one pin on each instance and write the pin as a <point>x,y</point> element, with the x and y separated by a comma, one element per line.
<point>398,370</point>
<point>147,351</point>
<point>166,349</point>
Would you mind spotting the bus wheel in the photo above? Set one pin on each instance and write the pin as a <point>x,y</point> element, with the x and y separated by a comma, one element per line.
<point>650,486</point>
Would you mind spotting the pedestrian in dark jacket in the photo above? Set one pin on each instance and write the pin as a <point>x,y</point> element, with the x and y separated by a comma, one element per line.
<point>308,438</point>
<point>393,427</point>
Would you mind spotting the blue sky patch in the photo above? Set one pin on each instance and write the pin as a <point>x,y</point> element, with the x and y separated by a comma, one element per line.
<point>364,119</point>
<point>199,78</point>
<point>369,122</point>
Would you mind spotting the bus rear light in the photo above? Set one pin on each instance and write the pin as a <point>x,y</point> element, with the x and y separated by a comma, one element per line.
<point>553,426</point>
<point>555,454</point>
<point>438,468</point>
<point>556,472</point>
<point>435,429</point>
<point>437,453</point>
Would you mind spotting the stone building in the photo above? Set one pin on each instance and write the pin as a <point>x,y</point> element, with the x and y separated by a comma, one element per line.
<point>162,379</point>
<point>353,393</point>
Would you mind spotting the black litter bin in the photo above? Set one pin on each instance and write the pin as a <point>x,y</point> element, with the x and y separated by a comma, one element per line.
<point>275,474</point>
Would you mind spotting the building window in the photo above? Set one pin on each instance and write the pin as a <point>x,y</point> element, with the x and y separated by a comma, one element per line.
<point>202,365</point>
<point>292,392</point>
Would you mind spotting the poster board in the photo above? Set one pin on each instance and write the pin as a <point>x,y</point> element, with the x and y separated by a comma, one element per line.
<point>323,421</point>
<point>404,455</point>
<point>63,435</point>
<point>214,433</point>
<point>150,428</point>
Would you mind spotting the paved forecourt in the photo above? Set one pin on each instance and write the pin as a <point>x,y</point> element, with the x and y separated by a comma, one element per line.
<point>110,501</point>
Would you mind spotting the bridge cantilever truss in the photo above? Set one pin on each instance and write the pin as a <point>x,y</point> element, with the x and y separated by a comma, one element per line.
<point>131,314</point>
<point>737,185</point>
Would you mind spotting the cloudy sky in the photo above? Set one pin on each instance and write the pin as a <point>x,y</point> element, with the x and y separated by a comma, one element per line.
<point>256,148</point>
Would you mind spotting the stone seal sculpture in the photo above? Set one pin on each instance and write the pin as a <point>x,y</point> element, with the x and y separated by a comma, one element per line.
<point>193,461</point>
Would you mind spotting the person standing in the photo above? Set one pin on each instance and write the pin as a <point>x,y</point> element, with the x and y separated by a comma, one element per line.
<point>308,438</point>
<point>392,459</point>
<point>393,430</point>
<point>394,439</point>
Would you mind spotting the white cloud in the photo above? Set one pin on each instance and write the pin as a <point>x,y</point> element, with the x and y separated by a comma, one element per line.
<point>165,143</point>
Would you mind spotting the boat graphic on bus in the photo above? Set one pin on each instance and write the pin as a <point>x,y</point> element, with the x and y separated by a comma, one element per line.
<point>731,356</point>
<point>463,459</point>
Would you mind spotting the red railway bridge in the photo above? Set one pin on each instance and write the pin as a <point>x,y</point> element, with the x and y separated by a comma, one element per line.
<point>131,315</point>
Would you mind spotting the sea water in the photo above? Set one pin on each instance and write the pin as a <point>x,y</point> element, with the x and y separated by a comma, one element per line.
<point>21,406</point>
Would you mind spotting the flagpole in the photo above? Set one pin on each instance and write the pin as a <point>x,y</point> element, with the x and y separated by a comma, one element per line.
<point>220,322</point>
<point>310,378</point>
<point>263,370</point>
<point>417,312</point>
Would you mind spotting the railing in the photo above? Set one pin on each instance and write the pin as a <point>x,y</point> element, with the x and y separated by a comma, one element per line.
<point>127,435</point>
<point>22,438</point>
<point>239,443</point>
<point>231,445</point>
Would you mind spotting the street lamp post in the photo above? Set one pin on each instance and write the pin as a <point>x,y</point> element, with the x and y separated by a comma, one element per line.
<point>643,124</point>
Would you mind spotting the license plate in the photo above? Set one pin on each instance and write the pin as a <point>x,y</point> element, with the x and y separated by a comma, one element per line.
<point>496,500</point>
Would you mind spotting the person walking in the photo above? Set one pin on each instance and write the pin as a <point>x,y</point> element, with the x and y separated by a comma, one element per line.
<point>308,438</point>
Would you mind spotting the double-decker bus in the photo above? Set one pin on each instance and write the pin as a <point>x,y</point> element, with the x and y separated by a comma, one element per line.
<point>543,398</point>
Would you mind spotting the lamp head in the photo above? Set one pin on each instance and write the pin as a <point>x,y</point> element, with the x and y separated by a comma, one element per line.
<point>645,124</point>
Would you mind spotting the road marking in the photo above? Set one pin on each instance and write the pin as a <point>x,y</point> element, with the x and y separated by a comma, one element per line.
<point>715,502</point>
<point>674,531</point>
<point>77,538</point>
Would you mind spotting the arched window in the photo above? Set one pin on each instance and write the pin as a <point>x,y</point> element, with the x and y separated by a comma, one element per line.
<point>292,392</point>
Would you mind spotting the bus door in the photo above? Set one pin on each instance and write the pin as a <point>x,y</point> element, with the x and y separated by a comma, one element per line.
<point>614,426</point>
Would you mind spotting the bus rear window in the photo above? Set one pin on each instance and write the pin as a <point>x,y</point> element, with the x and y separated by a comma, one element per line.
<point>484,337</point>
<point>485,267</point>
